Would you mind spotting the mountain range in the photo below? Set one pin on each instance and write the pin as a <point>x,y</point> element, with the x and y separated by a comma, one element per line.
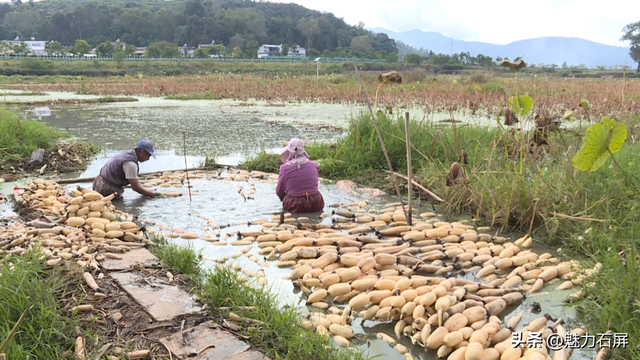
<point>545,50</point>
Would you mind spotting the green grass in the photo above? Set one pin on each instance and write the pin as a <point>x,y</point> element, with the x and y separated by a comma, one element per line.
<point>184,259</point>
<point>19,138</point>
<point>279,336</point>
<point>263,161</point>
<point>48,329</point>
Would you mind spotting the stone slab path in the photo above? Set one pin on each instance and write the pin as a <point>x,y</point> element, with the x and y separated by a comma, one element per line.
<point>130,259</point>
<point>164,301</point>
<point>197,343</point>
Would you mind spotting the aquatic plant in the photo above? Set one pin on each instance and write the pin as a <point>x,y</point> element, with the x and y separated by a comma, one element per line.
<point>603,139</point>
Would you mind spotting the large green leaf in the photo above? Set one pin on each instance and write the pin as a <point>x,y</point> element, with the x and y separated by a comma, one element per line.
<point>602,138</point>
<point>521,105</point>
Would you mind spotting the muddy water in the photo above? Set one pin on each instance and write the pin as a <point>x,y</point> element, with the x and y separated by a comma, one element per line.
<point>233,130</point>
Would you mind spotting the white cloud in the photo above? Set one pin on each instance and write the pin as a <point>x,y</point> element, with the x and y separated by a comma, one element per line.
<point>491,21</point>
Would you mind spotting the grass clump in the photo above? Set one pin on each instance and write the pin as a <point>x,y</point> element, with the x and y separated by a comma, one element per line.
<point>47,331</point>
<point>184,259</point>
<point>279,333</point>
<point>263,161</point>
<point>19,138</point>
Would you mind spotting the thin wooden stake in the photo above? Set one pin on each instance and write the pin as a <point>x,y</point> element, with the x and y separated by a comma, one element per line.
<point>186,168</point>
<point>409,170</point>
<point>384,149</point>
<point>14,329</point>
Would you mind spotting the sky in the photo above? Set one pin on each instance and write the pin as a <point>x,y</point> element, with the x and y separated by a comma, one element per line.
<point>497,22</point>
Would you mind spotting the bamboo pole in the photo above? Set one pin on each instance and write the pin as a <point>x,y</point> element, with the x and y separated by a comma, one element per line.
<point>91,178</point>
<point>409,170</point>
<point>184,142</point>
<point>384,149</point>
<point>430,193</point>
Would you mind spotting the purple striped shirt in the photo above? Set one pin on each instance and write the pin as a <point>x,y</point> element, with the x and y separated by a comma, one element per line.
<point>296,181</point>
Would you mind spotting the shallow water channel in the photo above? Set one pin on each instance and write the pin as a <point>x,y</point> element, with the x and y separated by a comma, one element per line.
<point>233,132</point>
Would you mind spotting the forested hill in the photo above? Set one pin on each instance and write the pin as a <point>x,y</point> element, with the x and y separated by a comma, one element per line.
<point>246,24</point>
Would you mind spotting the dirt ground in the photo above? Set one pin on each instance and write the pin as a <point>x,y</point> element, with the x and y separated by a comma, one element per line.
<point>63,158</point>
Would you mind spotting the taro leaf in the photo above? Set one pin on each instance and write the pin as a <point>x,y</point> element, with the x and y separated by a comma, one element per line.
<point>602,137</point>
<point>521,105</point>
<point>584,103</point>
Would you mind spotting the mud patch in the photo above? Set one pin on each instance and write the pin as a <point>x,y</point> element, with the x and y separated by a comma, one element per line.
<point>63,158</point>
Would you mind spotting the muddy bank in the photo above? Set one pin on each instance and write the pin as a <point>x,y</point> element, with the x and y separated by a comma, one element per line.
<point>100,100</point>
<point>63,158</point>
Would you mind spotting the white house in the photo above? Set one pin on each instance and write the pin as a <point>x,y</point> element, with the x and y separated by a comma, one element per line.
<point>186,50</point>
<point>35,47</point>
<point>269,50</point>
<point>200,46</point>
<point>297,51</point>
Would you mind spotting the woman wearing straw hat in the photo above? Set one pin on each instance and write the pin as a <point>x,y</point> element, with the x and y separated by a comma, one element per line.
<point>298,181</point>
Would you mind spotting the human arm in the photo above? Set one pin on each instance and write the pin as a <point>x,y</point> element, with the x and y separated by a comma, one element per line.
<point>137,187</point>
<point>280,188</point>
<point>131,174</point>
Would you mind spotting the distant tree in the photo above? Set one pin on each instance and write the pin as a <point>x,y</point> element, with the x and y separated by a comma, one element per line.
<point>313,53</point>
<point>251,49</point>
<point>361,45</point>
<point>106,49</point>
<point>20,49</point>
<point>308,27</point>
<point>285,50</point>
<point>130,49</point>
<point>162,49</point>
<point>194,7</point>
<point>414,59</point>
<point>442,59</point>
<point>216,50</point>
<point>118,56</point>
<point>393,57</point>
<point>237,52</point>
<point>201,53</point>
<point>517,59</point>
<point>632,34</point>
<point>81,47</point>
<point>485,61</point>
<point>564,65</point>
<point>236,40</point>
<point>67,50</point>
<point>54,48</point>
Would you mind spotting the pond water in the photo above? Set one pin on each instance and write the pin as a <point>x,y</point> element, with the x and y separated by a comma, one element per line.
<point>232,130</point>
